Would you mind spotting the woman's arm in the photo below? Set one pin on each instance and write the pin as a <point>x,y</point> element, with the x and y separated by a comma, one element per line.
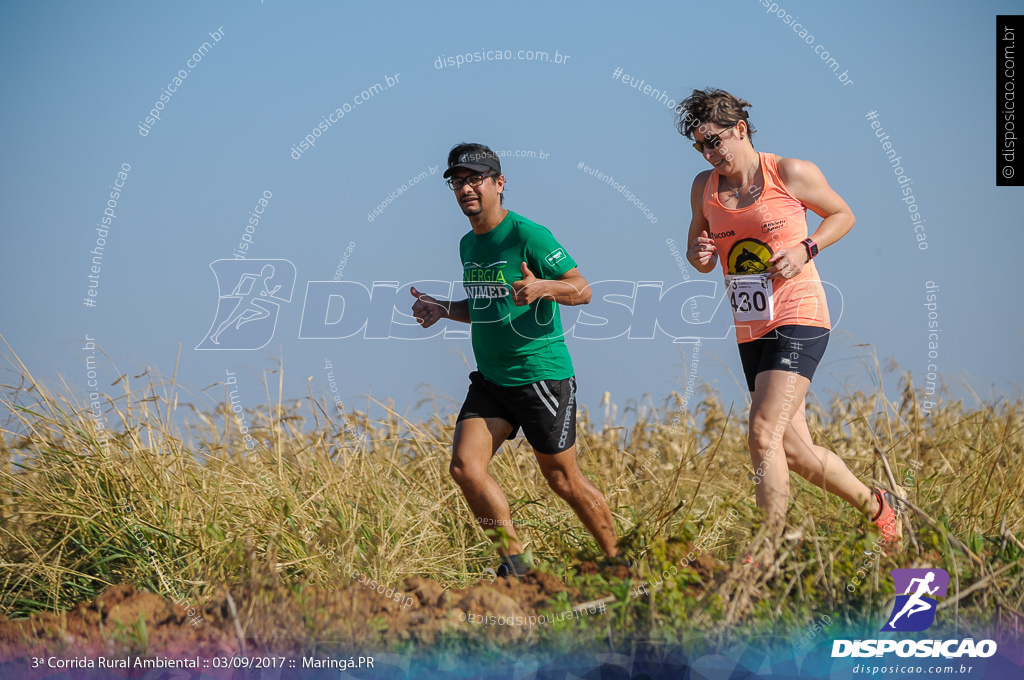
<point>806,183</point>
<point>700,251</point>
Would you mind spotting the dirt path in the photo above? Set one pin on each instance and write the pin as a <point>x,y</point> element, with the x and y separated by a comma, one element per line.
<point>123,620</point>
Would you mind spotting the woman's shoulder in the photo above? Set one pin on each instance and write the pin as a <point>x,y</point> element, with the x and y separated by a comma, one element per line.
<point>795,169</point>
<point>701,180</point>
<point>697,190</point>
<point>702,176</point>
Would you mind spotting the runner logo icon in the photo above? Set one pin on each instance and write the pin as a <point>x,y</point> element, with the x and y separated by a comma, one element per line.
<point>914,610</point>
<point>250,293</point>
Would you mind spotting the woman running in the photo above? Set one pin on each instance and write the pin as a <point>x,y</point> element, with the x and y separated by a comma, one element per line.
<point>749,210</point>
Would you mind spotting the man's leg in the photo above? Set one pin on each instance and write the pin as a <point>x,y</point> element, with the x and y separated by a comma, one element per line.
<point>566,480</point>
<point>475,442</point>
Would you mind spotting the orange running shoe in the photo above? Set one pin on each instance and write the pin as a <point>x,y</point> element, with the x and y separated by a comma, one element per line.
<point>887,521</point>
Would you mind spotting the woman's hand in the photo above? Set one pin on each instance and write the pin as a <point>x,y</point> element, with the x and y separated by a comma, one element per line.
<point>786,265</point>
<point>702,250</point>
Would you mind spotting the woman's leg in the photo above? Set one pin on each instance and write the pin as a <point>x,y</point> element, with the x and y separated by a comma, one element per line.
<point>779,442</point>
<point>771,469</point>
<point>823,468</point>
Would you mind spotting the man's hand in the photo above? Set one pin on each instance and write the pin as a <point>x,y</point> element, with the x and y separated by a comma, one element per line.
<point>526,290</point>
<point>426,309</point>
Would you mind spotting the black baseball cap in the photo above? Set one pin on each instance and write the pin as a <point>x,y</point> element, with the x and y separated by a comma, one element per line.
<point>477,161</point>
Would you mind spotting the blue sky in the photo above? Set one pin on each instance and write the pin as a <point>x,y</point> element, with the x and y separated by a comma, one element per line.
<point>81,77</point>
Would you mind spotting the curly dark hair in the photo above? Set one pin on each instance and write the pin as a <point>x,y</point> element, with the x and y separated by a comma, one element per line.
<point>714,106</point>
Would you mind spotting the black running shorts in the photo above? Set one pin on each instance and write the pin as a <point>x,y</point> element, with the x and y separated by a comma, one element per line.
<point>796,349</point>
<point>546,410</point>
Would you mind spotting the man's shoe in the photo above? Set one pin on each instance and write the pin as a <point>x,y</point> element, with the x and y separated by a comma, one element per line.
<point>610,564</point>
<point>512,566</point>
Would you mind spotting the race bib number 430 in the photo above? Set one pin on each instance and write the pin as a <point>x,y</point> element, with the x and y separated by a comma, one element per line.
<point>750,297</point>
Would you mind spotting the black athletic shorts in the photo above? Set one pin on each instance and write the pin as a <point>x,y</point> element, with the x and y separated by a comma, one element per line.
<point>796,349</point>
<point>546,410</point>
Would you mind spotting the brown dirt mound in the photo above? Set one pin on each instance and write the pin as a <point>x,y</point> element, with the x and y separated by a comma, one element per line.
<point>706,566</point>
<point>123,620</point>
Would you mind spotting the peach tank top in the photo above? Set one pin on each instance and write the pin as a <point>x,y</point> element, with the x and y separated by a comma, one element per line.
<point>747,237</point>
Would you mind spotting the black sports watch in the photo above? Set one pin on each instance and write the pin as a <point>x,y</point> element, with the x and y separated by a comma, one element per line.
<point>812,248</point>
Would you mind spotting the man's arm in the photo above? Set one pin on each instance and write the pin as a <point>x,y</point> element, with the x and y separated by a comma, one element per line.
<point>428,310</point>
<point>458,310</point>
<point>569,289</point>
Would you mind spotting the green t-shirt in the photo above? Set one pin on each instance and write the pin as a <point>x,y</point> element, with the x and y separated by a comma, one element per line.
<point>514,345</point>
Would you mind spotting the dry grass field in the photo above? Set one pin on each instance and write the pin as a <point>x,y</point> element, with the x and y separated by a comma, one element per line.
<point>262,550</point>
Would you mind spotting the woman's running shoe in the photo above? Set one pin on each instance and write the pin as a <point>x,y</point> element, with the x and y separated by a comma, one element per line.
<point>887,521</point>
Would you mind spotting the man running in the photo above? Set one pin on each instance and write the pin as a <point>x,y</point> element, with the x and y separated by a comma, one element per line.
<point>515,274</point>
